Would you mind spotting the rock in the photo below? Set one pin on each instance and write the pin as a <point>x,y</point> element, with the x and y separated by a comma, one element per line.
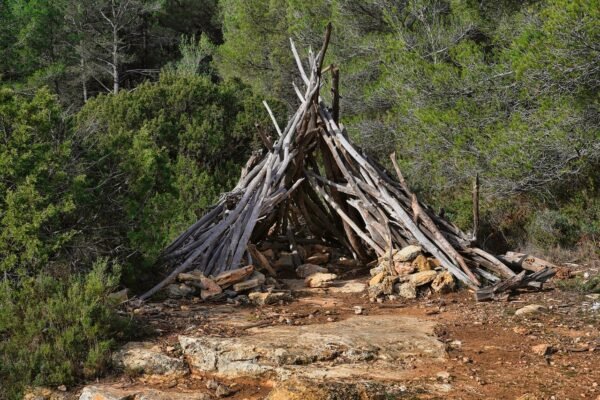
<point>408,253</point>
<point>404,268</point>
<point>44,393</point>
<point>443,282</point>
<point>261,299</point>
<point>530,309</point>
<point>306,270</point>
<point>147,358</point>
<point>319,258</point>
<point>223,391</point>
<point>209,288</point>
<point>347,287</point>
<point>289,350</point>
<point>422,278</point>
<point>527,396</point>
<point>408,290</point>
<point>229,278</point>
<point>346,262</point>
<point>421,263</point>
<point>177,291</point>
<point>152,394</point>
<point>103,392</point>
<point>542,349</point>
<point>443,376</point>
<point>377,270</point>
<point>268,253</point>
<point>119,297</point>
<point>375,291</point>
<point>377,279</point>
<point>320,280</point>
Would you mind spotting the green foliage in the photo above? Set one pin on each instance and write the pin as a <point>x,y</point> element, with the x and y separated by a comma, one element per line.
<point>35,194</point>
<point>53,330</point>
<point>157,157</point>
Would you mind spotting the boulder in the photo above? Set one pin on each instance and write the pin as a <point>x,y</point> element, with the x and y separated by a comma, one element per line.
<point>98,392</point>
<point>147,358</point>
<point>404,268</point>
<point>320,280</point>
<point>306,270</point>
<point>422,278</point>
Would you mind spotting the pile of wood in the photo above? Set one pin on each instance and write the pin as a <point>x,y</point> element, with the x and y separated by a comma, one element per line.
<point>312,183</point>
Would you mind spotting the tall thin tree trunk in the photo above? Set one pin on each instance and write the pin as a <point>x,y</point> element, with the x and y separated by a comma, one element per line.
<point>84,81</point>
<point>115,60</point>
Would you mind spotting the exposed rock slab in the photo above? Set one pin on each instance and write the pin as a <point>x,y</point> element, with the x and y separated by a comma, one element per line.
<point>110,392</point>
<point>374,346</point>
<point>147,358</point>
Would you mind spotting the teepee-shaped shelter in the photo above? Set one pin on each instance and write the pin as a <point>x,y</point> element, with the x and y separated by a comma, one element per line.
<point>313,177</point>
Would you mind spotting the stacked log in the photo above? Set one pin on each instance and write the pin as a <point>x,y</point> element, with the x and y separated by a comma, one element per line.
<point>314,184</point>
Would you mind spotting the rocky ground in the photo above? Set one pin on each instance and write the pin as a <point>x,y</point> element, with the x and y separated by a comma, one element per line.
<point>333,343</point>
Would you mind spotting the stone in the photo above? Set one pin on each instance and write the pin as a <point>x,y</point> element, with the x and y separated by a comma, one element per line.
<point>346,262</point>
<point>102,392</point>
<point>421,263</point>
<point>377,270</point>
<point>542,349</point>
<point>262,299</point>
<point>530,309</point>
<point>377,279</point>
<point>408,253</point>
<point>44,393</point>
<point>229,278</point>
<point>319,258</point>
<point>177,291</point>
<point>285,260</point>
<point>119,297</point>
<point>422,278</point>
<point>147,358</point>
<point>223,391</point>
<point>353,286</point>
<point>269,253</point>
<point>443,282</point>
<point>358,310</point>
<point>320,280</point>
<point>384,341</point>
<point>408,290</point>
<point>404,268</point>
<point>306,270</point>
<point>209,288</point>
<point>443,376</point>
<point>152,394</point>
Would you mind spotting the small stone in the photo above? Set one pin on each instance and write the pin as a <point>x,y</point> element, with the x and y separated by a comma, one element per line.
<point>404,268</point>
<point>408,253</point>
<point>443,376</point>
<point>530,309</point>
<point>119,297</point>
<point>422,278</point>
<point>377,279</point>
<point>358,310</point>
<point>177,291</point>
<point>306,270</point>
<point>212,384</point>
<point>443,282</point>
<point>285,260</point>
<point>421,263</point>
<point>456,344</point>
<point>542,349</point>
<point>62,388</point>
<point>261,299</point>
<point>320,280</point>
<point>408,290</point>
<point>378,269</point>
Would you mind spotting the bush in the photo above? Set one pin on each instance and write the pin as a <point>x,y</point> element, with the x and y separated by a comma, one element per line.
<point>54,331</point>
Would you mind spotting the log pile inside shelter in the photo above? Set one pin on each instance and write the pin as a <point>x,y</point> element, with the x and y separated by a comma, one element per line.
<point>313,186</point>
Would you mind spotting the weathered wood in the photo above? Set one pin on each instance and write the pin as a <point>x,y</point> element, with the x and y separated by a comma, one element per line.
<point>526,261</point>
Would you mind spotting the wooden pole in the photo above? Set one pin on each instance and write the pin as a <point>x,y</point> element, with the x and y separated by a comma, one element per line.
<point>335,88</point>
<point>475,207</point>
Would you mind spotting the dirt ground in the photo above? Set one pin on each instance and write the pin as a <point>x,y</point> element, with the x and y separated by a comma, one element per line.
<point>492,353</point>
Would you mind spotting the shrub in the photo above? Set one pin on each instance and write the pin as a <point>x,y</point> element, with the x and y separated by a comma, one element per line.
<point>54,331</point>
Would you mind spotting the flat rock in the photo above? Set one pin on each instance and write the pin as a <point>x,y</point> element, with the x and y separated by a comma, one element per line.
<point>353,286</point>
<point>147,358</point>
<point>408,253</point>
<point>422,278</point>
<point>408,290</point>
<point>320,280</point>
<point>176,291</point>
<point>306,270</point>
<point>530,309</point>
<point>319,258</point>
<point>371,346</point>
<point>266,298</point>
<point>109,392</point>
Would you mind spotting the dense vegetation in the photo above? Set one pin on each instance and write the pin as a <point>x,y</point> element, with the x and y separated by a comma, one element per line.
<point>121,121</point>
